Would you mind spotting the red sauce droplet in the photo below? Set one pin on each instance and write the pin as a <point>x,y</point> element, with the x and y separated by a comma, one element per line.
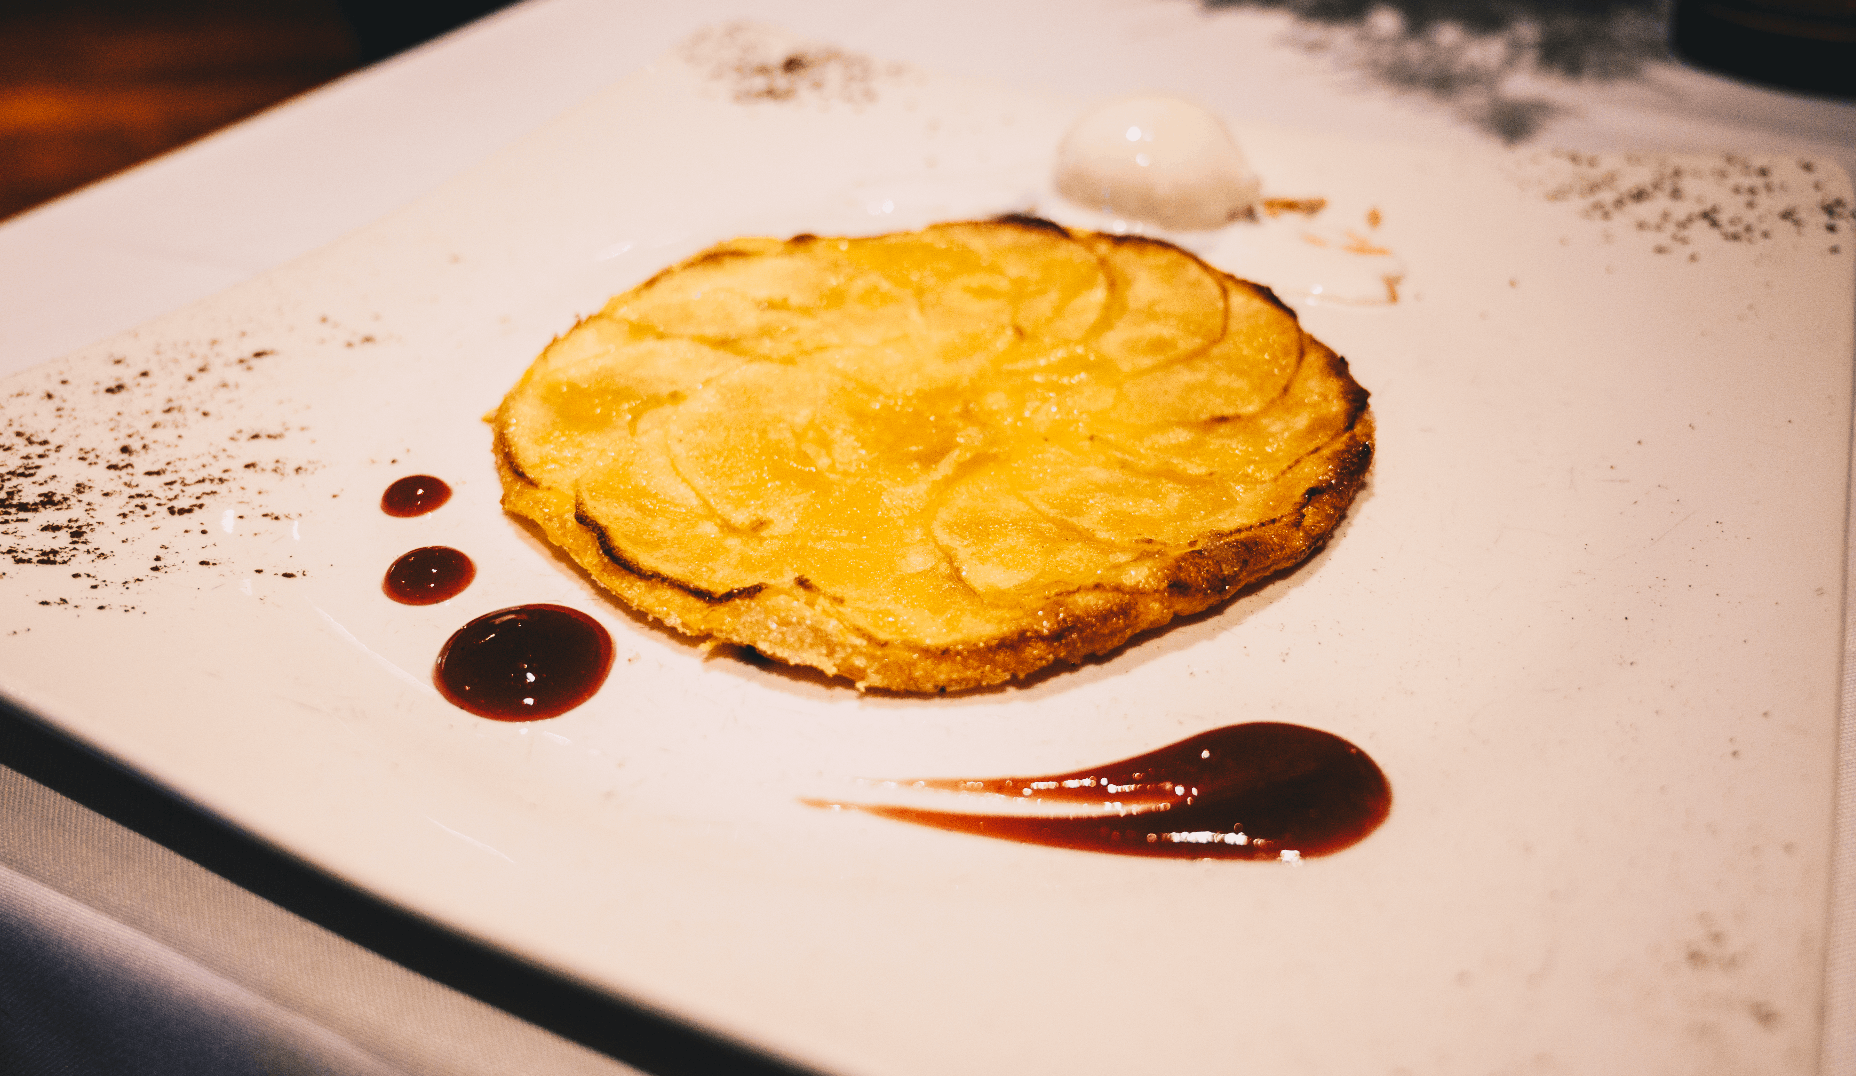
<point>415,495</point>
<point>1257,791</point>
<point>428,575</point>
<point>524,663</point>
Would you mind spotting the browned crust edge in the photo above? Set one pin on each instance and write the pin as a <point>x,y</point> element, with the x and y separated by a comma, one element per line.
<point>610,550</point>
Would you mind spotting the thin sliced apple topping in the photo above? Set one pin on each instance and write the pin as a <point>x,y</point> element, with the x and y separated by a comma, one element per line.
<point>936,460</point>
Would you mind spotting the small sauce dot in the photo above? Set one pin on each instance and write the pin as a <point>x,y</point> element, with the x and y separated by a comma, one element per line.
<point>524,663</point>
<point>429,575</point>
<point>415,495</point>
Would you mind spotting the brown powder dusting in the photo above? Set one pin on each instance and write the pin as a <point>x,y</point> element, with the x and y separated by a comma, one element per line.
<point>132,471</point>
<point>756,64</point>
<point>1679,204</point>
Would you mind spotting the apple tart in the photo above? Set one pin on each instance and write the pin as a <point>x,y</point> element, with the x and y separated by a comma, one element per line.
<point>935,460</point>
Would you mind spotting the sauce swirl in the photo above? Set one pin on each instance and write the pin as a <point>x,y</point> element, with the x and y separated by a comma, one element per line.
<point>524,663</point>
<point>1263,790</point>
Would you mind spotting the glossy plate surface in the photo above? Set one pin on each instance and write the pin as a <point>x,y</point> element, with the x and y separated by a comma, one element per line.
<point>1586,616</point>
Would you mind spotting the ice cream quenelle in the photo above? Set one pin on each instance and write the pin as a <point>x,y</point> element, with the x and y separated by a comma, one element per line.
<point>1156,160</point>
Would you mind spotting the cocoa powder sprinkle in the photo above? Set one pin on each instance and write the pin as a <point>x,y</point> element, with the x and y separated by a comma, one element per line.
<point>1681,204</point>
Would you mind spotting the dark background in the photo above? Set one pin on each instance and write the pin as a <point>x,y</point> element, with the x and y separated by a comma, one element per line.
<point>90,87</point>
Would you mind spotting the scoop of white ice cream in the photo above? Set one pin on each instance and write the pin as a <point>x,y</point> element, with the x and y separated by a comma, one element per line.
<point>1161,160</point>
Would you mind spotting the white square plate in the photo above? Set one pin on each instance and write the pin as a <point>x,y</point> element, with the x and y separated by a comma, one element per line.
<point>1586,615</point>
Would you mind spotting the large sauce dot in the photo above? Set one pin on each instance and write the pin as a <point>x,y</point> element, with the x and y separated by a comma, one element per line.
<point>415,495</point>
<point>428,575</point>
<point>524,663</point>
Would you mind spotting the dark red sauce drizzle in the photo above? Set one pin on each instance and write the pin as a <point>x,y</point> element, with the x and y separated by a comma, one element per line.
<point>428,575</point>
<point>524,663</point>
<point>415,495</point>
<point>1254,791</point>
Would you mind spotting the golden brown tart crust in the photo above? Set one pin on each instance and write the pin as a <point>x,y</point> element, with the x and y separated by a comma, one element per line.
<point>935,460</point>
